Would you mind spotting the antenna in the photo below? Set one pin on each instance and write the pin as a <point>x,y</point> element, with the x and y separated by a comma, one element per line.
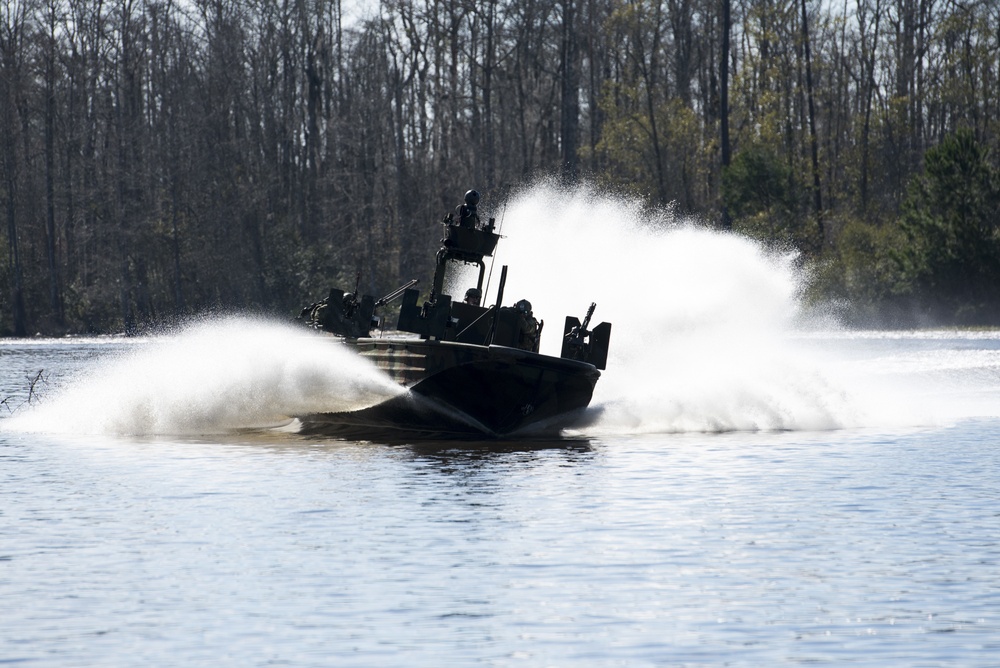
<point>493,259</point>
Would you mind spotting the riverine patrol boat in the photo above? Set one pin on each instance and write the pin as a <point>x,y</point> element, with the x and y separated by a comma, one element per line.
<point>471,371</point>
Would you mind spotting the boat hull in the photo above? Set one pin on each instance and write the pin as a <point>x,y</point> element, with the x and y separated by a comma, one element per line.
<point>465,390</point>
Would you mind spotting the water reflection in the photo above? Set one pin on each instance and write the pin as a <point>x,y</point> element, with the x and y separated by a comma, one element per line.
<point>447,455</point>
<point>481,450</point>
<point>473,458</point>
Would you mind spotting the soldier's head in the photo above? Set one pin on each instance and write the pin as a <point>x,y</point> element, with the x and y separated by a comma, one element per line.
<point>472,199</point>
<point>523,306</point>
<point>473,296</point>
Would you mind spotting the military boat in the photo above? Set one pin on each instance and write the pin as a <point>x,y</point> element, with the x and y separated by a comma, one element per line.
<point>470,371</point>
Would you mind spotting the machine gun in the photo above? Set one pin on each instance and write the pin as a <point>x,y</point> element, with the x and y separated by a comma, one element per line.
<point>395,294</point>
<point>580,343</point>
<point>346,304</point>
<point>578,334</point>
<point>350,299</point>
<point>348,315</point>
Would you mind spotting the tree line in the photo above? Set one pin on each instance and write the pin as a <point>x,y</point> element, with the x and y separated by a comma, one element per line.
<point>163,157</point>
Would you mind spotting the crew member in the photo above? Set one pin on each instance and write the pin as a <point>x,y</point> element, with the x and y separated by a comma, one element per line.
<point>527,326</point>
<point>473,296</point>
<point>466,215</point>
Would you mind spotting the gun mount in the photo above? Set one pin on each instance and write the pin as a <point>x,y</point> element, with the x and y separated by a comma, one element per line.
<point>468,245</point>
<point>580,343</point>
<point>343,314</point>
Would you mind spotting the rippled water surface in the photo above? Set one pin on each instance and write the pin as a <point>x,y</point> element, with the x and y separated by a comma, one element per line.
<point>868,544</point>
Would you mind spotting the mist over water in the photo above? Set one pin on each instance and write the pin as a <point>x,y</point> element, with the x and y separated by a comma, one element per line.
<point>218,375</point>
<point>707,326</point>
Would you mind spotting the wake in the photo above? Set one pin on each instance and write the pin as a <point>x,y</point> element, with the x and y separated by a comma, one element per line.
<point>707,326</point>
<point>212,377</point>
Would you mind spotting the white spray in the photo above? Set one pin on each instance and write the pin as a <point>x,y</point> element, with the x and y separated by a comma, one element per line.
<point>703,332</point>
<point>229,373</point>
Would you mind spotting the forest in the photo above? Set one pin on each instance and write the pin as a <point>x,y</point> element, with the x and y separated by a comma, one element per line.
<point>168,157</point>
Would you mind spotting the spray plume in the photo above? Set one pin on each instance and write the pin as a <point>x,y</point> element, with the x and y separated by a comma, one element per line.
<point>228,373</point>
<point>704,334</point>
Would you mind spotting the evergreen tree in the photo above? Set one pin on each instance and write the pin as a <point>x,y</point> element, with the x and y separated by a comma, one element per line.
<point>951,220</point>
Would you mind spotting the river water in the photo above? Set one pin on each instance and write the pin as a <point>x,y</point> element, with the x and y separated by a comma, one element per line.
<point>149,515</point>
<point>757,487</point>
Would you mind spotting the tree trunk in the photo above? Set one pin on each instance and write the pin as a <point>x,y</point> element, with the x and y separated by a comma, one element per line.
<point>727,222</point>
<point>17,311</point>
<point>569,126</point>
<point>11,75</point>
<point>55,299</point>
<point>813,143</point>
<point>868,86</point>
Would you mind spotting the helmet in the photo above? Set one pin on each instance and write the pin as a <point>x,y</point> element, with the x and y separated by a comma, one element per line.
<point>473,296</point>
<point>472,198</point>
<point>523,306</point>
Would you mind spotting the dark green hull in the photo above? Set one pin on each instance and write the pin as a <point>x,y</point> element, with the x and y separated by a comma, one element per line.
<point>464,390</point>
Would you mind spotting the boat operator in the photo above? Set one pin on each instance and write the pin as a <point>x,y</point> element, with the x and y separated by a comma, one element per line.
<point>473,296</point>
<point>466,215</point>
